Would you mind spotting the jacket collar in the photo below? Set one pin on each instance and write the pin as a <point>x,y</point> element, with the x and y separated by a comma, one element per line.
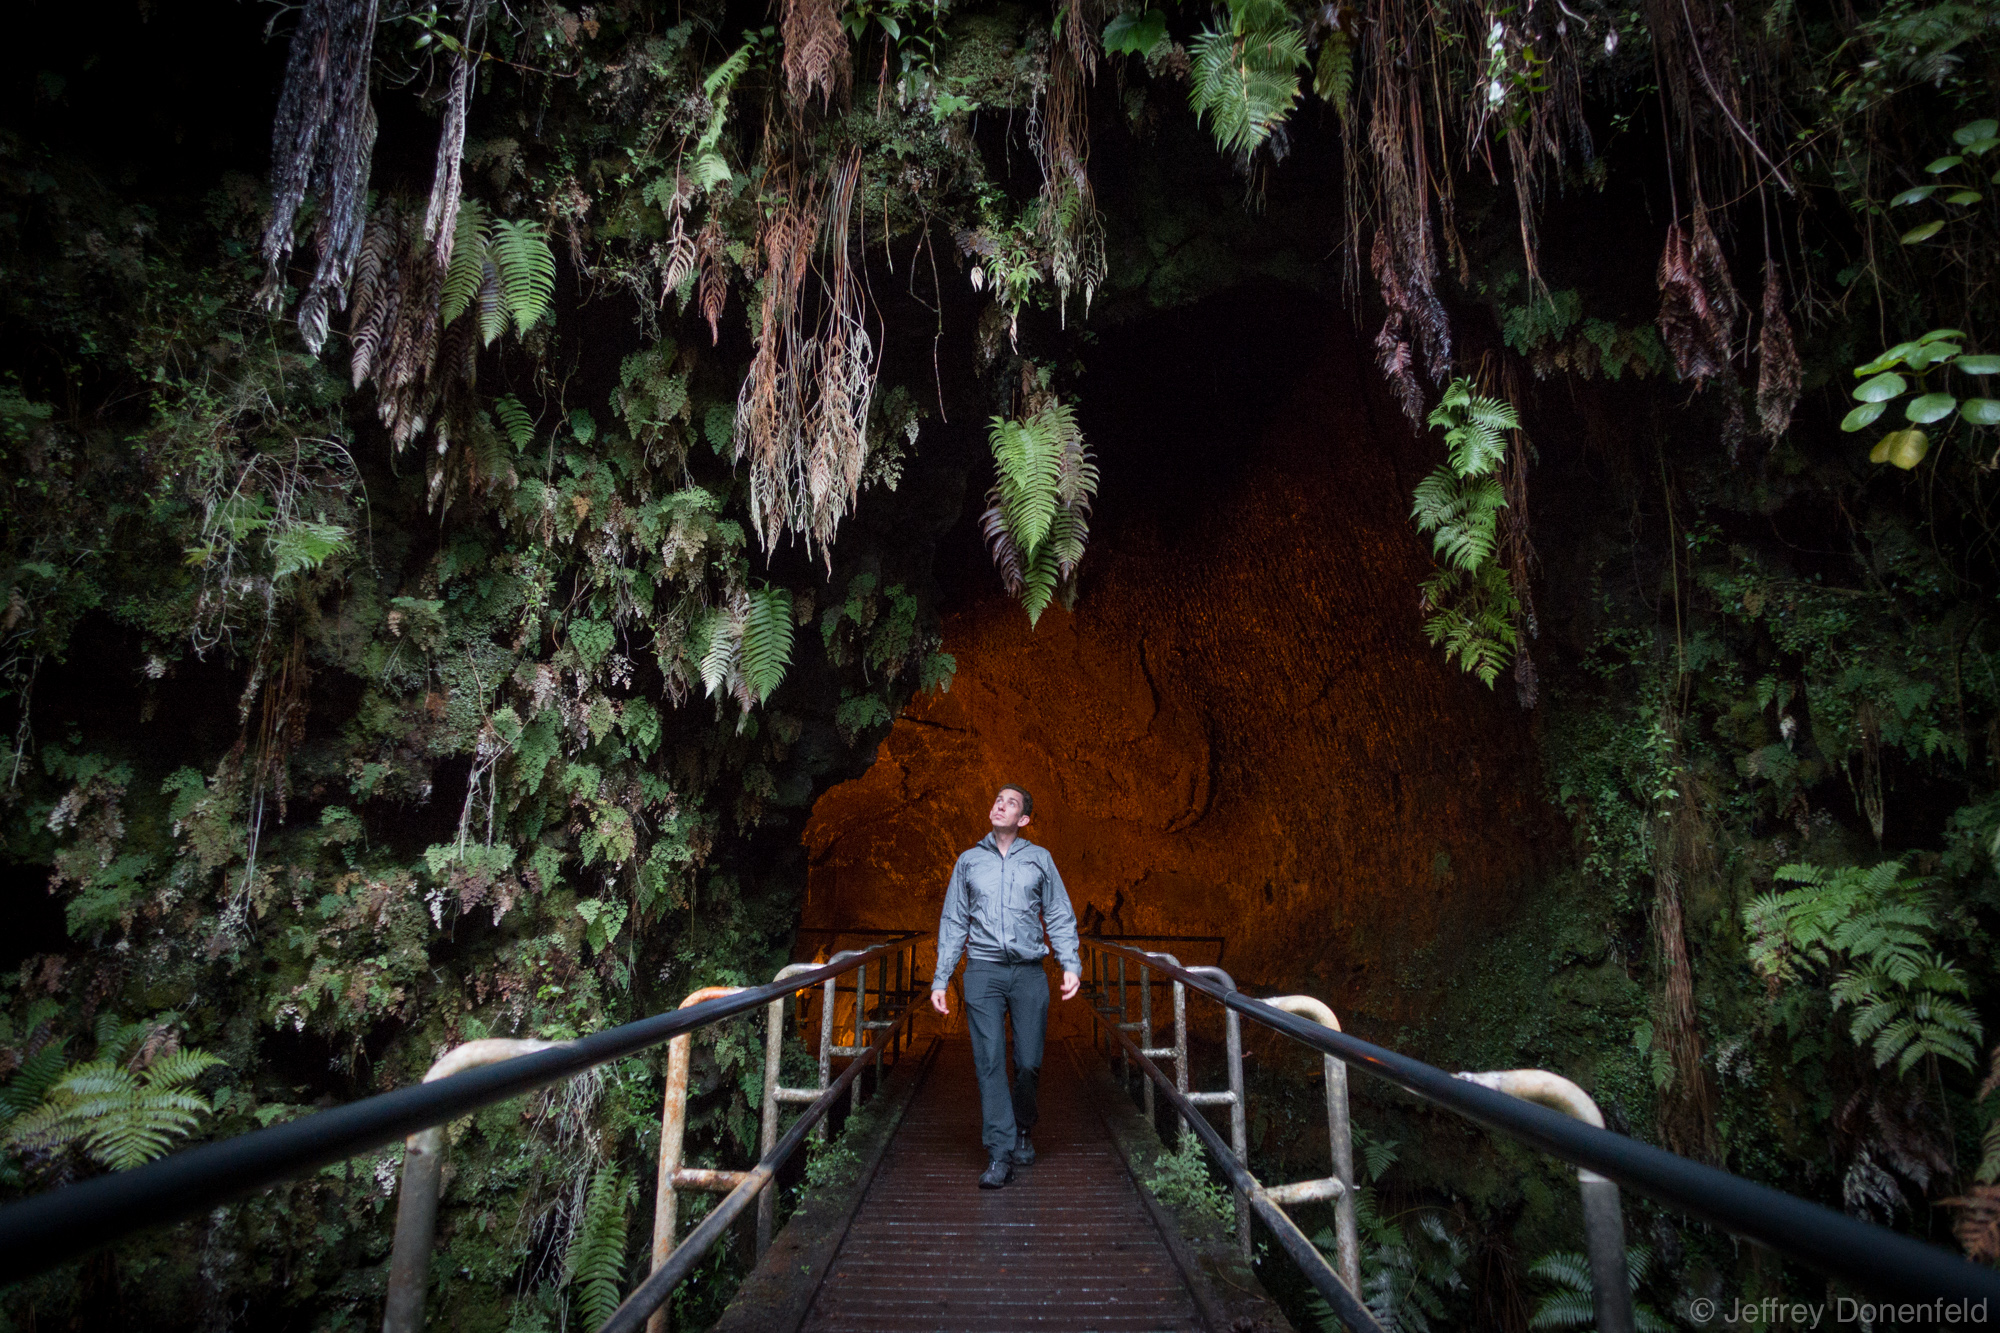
<point>992,843</point>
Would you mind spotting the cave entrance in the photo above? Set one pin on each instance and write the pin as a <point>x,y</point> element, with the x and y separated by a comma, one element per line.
<point>1239,732</point>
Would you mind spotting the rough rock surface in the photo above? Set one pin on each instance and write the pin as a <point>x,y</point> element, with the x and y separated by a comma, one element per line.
<point>1240,730</point>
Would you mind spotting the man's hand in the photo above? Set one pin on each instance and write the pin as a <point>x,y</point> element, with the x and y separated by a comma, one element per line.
<point>941,1002</point>
<point>1071,984</point>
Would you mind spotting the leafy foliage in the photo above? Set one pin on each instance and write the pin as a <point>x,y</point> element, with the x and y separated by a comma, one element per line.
<point>1037,520</point>
<point>596,1261</point>
<point>1474,608</point>
<point>1244,79</point>
<point>1568,1304</point>
<point>1876,927</point>
<point>122,1109</point>
<point>1181,1179</point>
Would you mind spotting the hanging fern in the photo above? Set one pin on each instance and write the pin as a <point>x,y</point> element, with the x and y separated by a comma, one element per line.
<point>1472,607</point>
<point>1245,81</point>
<point>1877,927</point>
<point>503,271</point>
<point>1333,77</point>
<point>514,419</point>
<point>119,1118</point>
<point>767,641</point>
<point>1474,619</point>
<point>1037,520</point>
<point>527,272</point>
<point>597,1252</point>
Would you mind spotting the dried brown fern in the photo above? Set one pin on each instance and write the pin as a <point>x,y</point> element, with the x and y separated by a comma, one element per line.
<point>321,142</point>
<point>1694,318</point>
<point>1778,371</point>
<point>714,262</point>
<point>816,55</point>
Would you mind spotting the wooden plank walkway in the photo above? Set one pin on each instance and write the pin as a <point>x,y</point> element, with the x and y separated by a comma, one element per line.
<point>1067,1245</point>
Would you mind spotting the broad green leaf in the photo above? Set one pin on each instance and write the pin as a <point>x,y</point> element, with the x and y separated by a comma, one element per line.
<point>890,26</point>
<point>1882,388</point>
<point>1978,365</point>
<point>1935,334</point>
<point>1893,357</point>
<point>1929,354</point>
<point>1982,147</point>
<point>1931,407</point>
<point>1904,448</point>
<point>1863,416</point>
<point>1943,164</point>
<point>1135,34</point>
<point>1914,194</point>
<point>1963,197</point>
<point>1923,233</point>
<point>1980,411</point>
<point>1972,132</point>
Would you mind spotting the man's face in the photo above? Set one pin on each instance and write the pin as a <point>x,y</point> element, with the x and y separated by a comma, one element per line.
<point>1006,813</point>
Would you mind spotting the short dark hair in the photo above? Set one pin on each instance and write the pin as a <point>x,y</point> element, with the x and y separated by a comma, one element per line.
<point>1027,801</point>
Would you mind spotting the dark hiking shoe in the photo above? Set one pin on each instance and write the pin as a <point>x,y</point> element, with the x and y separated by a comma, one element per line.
<point>1024,1149</point>
<point>997,1174</point>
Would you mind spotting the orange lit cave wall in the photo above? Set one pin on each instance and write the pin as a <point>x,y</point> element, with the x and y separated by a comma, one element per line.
<point>1239,730</point>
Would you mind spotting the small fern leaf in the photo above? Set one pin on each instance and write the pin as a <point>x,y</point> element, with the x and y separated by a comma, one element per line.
<point>527,269</point>
<point>514,419</point>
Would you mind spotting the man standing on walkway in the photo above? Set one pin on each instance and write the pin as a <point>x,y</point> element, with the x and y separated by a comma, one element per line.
<point>1001,895</point>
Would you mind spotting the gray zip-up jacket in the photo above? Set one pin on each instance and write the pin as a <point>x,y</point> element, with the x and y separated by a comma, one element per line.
<point>995,906</point>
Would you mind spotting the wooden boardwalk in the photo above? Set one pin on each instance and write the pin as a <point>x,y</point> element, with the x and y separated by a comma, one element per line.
<point>1069,1244</point>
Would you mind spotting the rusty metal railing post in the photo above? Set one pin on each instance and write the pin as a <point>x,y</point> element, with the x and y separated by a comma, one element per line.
<point>1603,1216</point>
<point>774,1050</point>
<point>1239,1135</point>
<point>1340,1141</point>
<point>1146,1030</point>
<point>422,1184</point>
<point>673,1132</point>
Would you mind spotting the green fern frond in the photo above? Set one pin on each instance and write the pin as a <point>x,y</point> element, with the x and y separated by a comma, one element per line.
<point>1333,78</point>
<point>32,1081</point>
<point>718,640</point>
<point>709,170</point>
<point>118,1118</point>
<point>1038,525</point>
<point>1244,84</point>
<point>527,269</point>
<point>468,261</point>
<point>1029,455</point>
<point>767,641</point>
<point>720,80</point>
<point>596,1258</point>
<point>181,1067</point>
<point>514,419</point>
<point>492,309</point>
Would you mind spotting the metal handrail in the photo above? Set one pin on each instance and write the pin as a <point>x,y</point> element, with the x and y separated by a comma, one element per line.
<point>1869,1258</point>
<point>1339,1289</point>
<point>63,1224</point>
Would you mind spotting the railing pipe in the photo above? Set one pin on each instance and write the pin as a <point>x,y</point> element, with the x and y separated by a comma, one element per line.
<point>645,1304</point>
<point>1869,1258</point>
<point>423,1180</point>
<point>1340,1141</point>
<point>1239,1129</point>
<point>41,1232</point>
<point>1603,1218</point>
<point>673,1131</point>
<point>1342,1298</point>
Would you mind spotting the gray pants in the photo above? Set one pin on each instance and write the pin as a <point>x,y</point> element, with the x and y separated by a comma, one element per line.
<point>993,991</point>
